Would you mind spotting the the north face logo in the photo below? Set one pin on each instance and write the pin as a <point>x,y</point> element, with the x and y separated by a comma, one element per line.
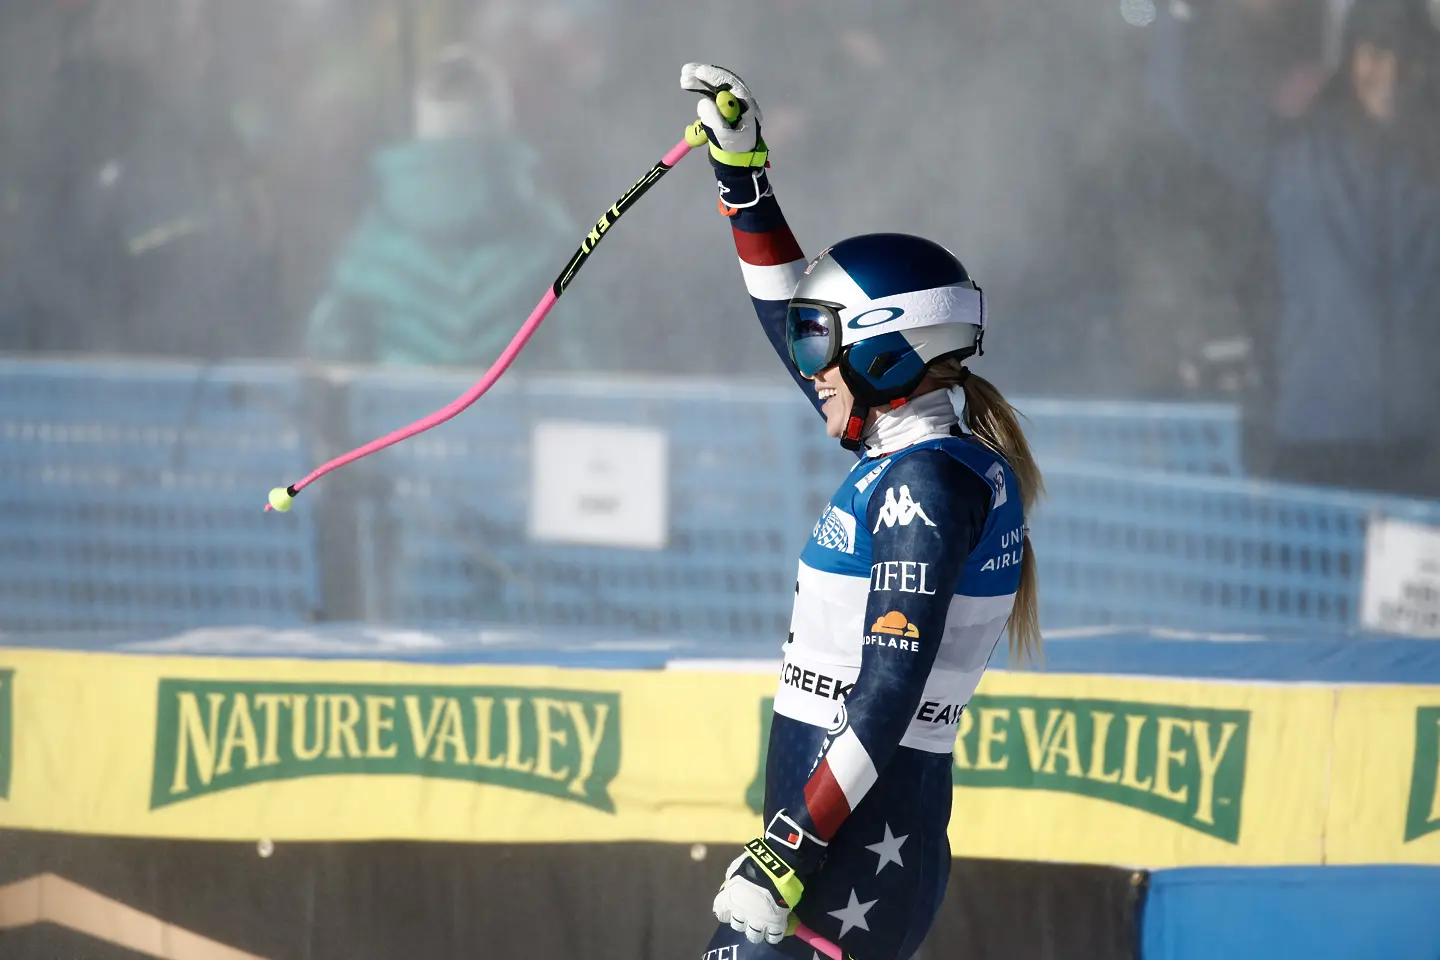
<point>835,530</point>
<point>900,511</point>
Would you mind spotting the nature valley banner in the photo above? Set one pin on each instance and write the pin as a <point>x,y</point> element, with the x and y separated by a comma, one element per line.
<point>1050,767</point>
<point>1422,816</point>
<point>7,680</point>
<point>1179,763</point>
<point>288,749</point>
<point>1155,773</point>
<point>213,736</point>
<point>1386,776</point>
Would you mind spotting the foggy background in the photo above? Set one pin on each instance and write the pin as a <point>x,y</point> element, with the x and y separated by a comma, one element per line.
<point>243,179</point>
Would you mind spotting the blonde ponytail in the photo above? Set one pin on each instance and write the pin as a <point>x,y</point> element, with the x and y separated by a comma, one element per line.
<point>996,424</point>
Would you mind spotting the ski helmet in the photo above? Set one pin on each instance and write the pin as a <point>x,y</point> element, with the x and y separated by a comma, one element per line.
<point>884,306</point>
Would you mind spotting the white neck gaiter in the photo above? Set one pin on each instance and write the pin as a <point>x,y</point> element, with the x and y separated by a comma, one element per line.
<point>926,417</point>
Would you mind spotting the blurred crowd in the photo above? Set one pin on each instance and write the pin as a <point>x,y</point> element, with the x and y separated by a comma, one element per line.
<point>1164,199</point>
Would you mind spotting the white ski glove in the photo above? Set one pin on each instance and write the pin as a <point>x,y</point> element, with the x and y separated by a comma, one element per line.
<point>759,891</point>
<point>735,143</point>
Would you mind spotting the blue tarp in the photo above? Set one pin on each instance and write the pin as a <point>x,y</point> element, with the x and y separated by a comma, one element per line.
<point>1139,652</point>
<point>1315,913</point>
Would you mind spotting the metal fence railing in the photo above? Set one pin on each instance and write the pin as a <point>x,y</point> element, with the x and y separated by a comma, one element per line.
<point>127,496</point>
<point>130,496</point>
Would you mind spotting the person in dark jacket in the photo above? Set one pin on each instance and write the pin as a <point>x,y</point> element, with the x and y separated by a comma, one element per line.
<point>1354,208</point>
<point>134,229</point>
<point>458,244</point>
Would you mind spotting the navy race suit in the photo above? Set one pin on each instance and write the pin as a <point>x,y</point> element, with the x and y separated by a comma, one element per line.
<point>903,591</point>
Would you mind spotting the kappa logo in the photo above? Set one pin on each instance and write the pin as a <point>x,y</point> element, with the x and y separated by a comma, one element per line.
<point>835,530</point>
<point>896,624</point>
<point>900,511</point>
<point>996,476</point>
<point>864,482</point>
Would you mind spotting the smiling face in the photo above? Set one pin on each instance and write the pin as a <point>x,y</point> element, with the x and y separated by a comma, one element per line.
<point>836,399</point>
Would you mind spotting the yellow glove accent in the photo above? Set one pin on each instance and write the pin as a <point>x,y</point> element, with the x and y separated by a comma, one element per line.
<point>755,158</point>
<point>780,873</point>
<point>695,134</point>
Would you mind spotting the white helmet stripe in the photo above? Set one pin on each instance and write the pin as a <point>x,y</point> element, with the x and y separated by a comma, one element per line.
<point>839,286</point>
<point>905,311</point>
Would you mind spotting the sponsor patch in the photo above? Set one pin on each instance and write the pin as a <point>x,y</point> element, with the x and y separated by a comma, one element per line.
<point>901,576</point>
<point>996,476</point>
<point>864,482</point>
<point>902,510</point>
<point>835,530</point>
<point>895,623</point>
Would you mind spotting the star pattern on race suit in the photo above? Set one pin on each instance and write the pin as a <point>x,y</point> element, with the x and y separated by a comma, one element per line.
<point>853,914</point>
<point>888,850</point>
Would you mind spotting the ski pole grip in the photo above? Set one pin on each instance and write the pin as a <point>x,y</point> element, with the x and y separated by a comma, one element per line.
<point>729,105</point>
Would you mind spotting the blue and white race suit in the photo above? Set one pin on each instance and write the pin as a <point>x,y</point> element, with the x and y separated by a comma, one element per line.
<point>903,591</point>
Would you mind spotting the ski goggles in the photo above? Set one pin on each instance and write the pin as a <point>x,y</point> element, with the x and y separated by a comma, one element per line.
<point>812,334</point>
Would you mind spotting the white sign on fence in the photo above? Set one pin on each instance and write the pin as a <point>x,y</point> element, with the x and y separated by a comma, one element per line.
<point>1401,591</point>
<point>599,484</point>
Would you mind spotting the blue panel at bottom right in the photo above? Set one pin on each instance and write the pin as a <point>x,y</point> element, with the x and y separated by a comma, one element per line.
<point>1315,913</point>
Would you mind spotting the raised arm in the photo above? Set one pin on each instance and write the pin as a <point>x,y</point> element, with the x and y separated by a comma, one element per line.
<point>1236,135</point>
<point>770,259</point>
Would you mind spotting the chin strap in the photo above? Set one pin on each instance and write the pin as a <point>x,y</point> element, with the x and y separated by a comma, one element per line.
<point>855,425</point>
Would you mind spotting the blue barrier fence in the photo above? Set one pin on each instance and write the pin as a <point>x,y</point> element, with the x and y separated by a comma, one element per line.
<point>447,539</point>
<point>129,497</point>
<point>1118,546</point>
<point>1200,438</point>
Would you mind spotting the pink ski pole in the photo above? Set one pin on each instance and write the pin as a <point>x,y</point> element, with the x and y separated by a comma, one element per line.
<point>818,943</point>
<point>281,497</point>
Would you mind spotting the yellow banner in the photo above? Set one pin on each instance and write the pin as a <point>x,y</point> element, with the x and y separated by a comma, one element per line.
<point>317,750</point>
<point>1154,773</point>
<point>1385,778</point>
<point>1093,769</point>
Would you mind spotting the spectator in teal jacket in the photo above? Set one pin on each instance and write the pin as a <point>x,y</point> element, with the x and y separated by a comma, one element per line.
<point>457,246</point>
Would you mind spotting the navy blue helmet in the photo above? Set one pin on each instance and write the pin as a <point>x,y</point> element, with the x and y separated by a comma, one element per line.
<point>884,306</point>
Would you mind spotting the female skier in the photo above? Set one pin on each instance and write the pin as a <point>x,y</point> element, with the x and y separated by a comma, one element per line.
<point>910,576</point>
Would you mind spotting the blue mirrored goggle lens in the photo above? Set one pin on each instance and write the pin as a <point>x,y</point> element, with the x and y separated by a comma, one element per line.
<point>808,331</point>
